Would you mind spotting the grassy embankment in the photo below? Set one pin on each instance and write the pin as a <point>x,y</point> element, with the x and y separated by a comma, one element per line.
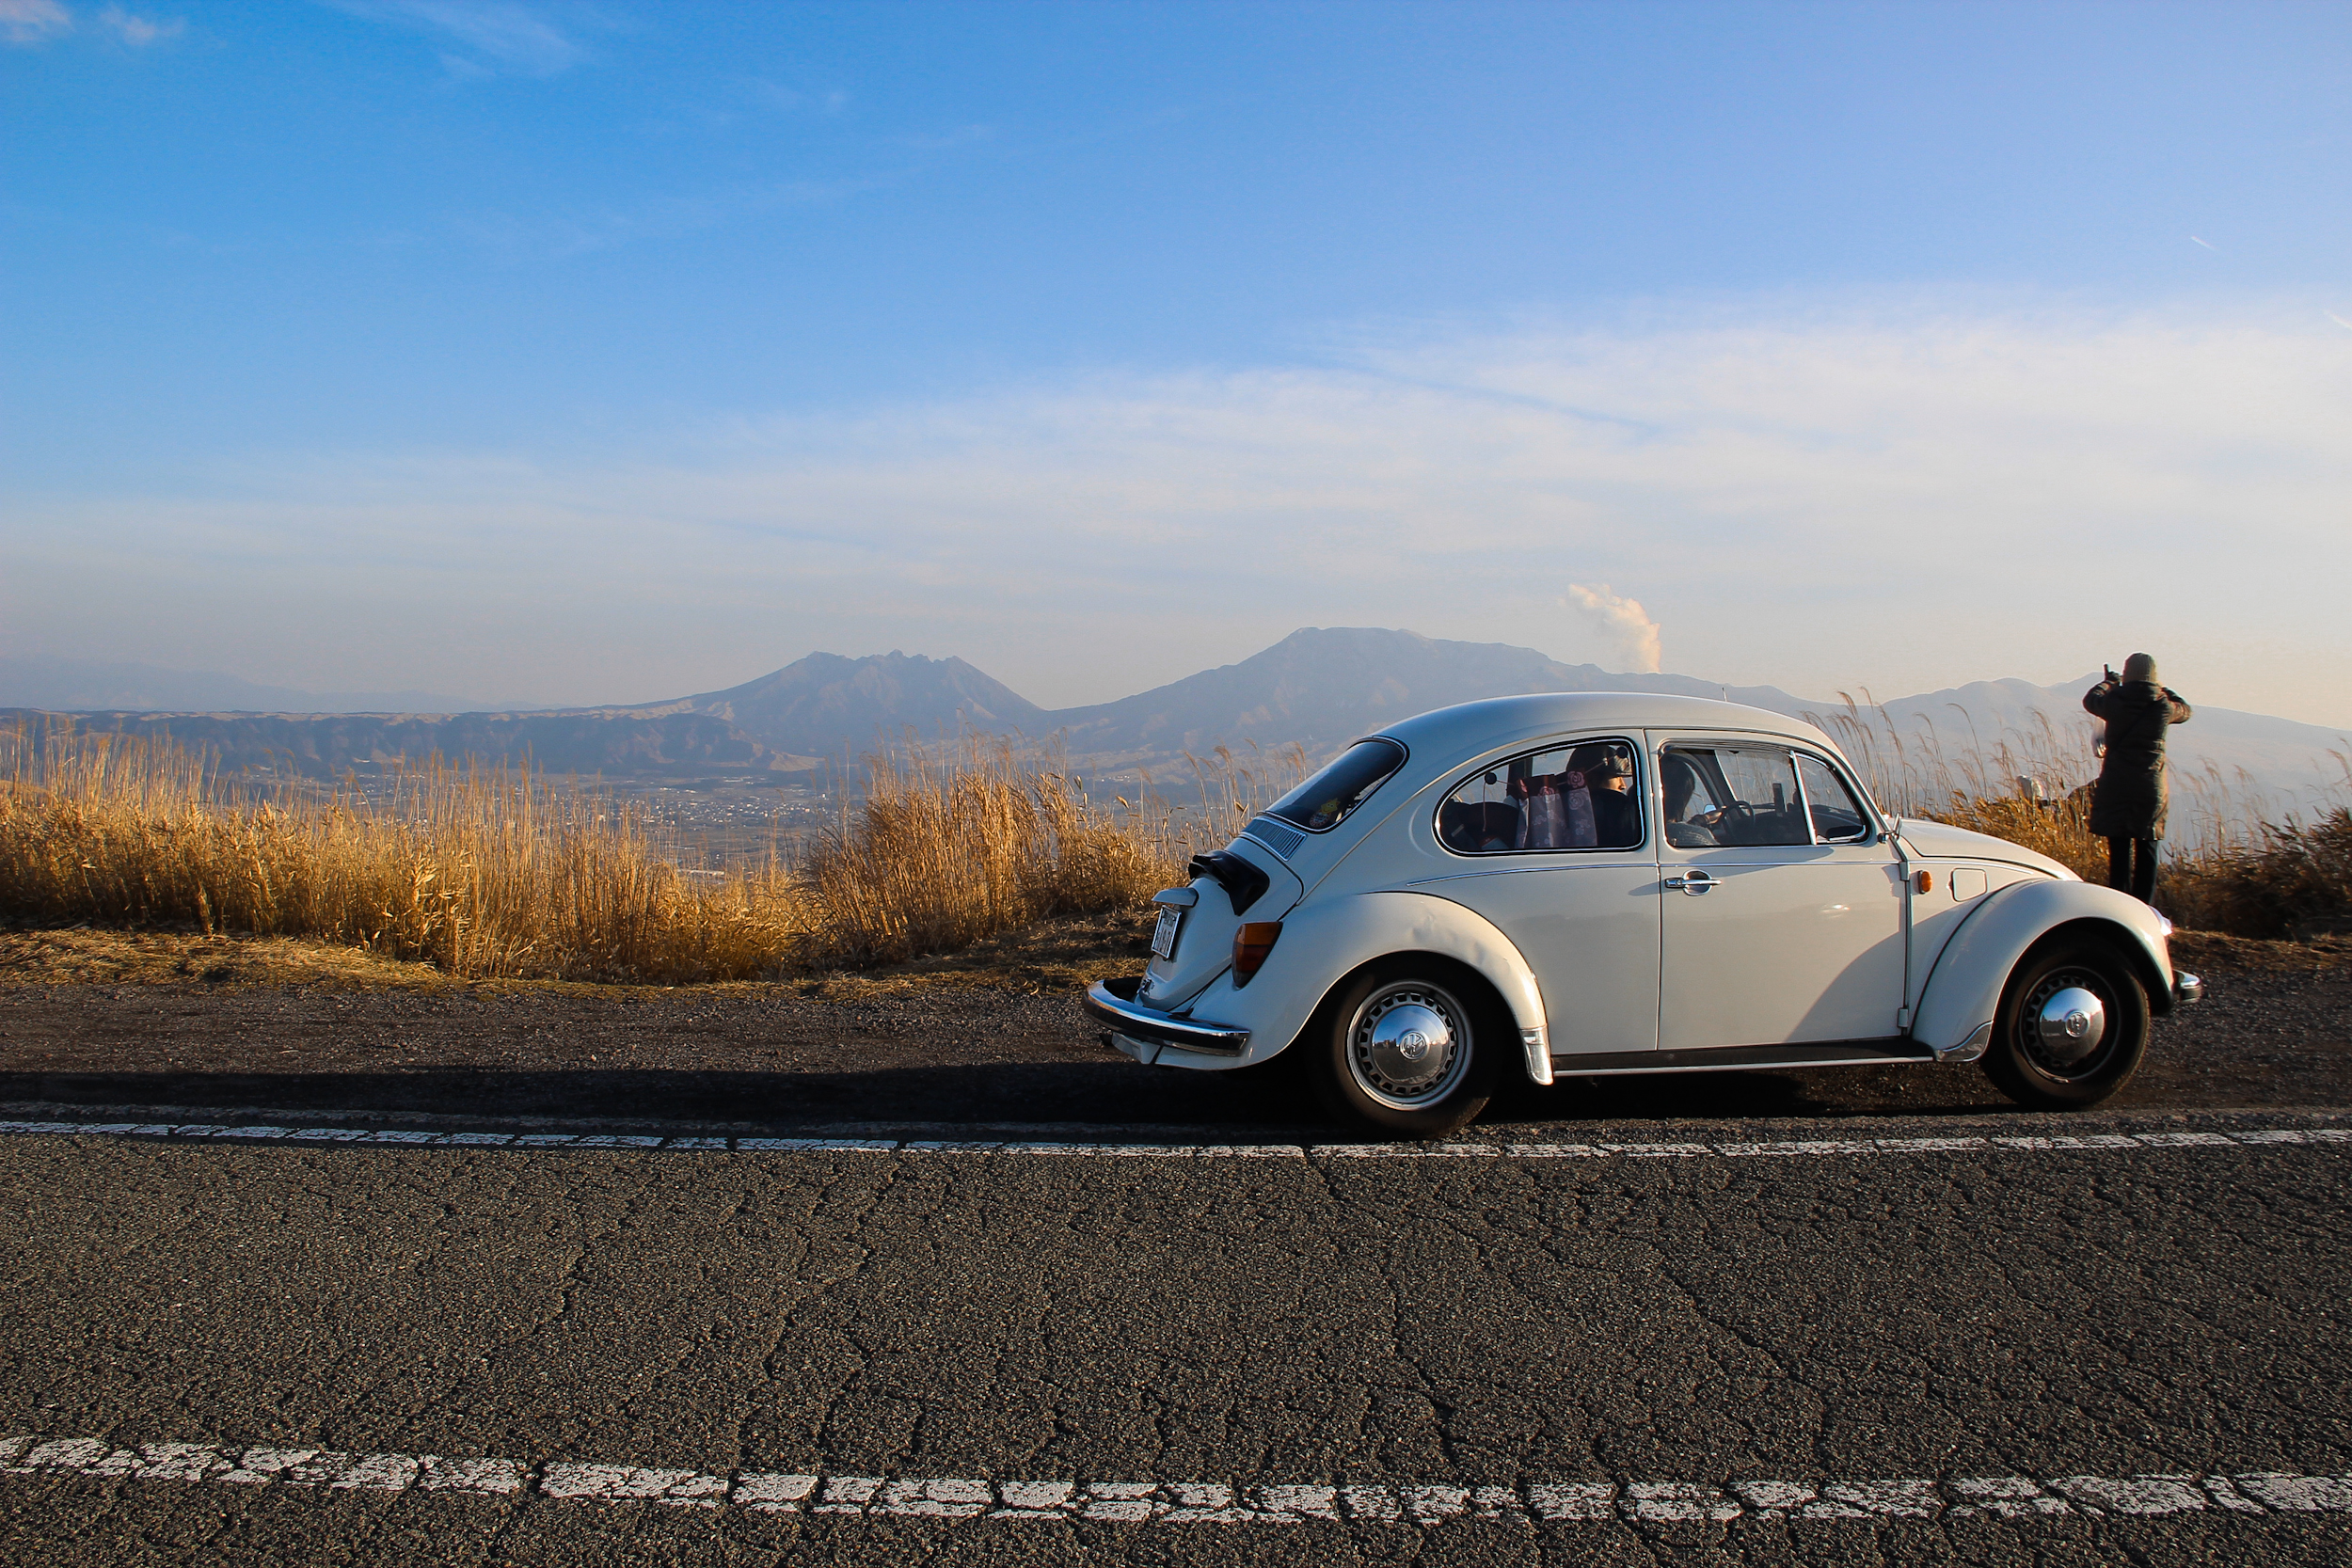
<point>500,876</point>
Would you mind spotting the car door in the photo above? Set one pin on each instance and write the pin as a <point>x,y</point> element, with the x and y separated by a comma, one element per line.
<point>1781,913</point>
<point>1554,847</point>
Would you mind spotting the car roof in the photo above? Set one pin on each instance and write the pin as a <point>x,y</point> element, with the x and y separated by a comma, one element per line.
<point>1467,727</point>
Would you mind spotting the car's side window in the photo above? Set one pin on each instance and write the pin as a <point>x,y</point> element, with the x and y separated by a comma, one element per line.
<point>1837,816</point>
<point>1587,796</point>
<point>1727,794</point>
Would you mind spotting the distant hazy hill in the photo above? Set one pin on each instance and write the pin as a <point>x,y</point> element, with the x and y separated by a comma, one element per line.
<point>1323,687</point>
<point>828,707</point>
<point>325,746</point>
<point>2289,765</point>
<point>1319,688</point>
<point>78,686</point>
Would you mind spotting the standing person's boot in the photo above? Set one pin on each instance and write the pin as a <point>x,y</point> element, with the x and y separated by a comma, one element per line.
<point>2119,864</point>
<point>2144,870</point>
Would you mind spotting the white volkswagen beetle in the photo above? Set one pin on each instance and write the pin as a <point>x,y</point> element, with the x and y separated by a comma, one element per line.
<point>1610,883</point>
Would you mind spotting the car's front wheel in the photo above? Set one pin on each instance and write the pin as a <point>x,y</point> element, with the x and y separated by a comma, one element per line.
<point>2071,1030</point>
<point>1406,1049</point>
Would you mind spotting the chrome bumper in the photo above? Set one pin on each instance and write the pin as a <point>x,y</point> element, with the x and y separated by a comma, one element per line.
<point>2186,988</point>
<point>1106,1005</point>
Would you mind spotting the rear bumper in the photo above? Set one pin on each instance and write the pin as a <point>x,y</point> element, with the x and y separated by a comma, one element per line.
<point>1111,1003</point>
<point>2186,988</point>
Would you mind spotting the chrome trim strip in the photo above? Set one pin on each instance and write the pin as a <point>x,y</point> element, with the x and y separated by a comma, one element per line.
<point>2187,989</point>
<point>1535,870</point>
<point>1745,1058</point>
<point>1138,1023</point>
<point>1566,1065</point>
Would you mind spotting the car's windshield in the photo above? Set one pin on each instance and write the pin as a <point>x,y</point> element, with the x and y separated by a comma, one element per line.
<point>1323,800</point>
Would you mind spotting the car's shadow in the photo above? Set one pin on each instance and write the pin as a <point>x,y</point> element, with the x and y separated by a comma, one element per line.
<point>1107,1094</point>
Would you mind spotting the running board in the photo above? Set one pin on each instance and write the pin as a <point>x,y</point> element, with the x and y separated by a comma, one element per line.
<point>1746,1058</point>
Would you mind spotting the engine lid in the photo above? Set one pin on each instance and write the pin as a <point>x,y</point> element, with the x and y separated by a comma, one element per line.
<point>1204,937</point>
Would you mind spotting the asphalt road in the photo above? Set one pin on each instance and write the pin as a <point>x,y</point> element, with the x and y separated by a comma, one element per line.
<point>1613,1335</point>
<point>1474,1321</point>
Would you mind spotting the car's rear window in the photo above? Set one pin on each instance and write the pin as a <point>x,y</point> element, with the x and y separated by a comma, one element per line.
<point>1324,800</point>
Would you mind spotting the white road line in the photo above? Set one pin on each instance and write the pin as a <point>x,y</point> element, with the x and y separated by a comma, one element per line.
<point>2257,1493</point>
<point>1811,1147</point>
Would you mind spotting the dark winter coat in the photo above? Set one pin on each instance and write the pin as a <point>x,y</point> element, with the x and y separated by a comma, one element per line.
<point>2131,798</point>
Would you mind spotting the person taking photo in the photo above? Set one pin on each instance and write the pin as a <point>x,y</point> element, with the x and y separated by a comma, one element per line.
<point>2128,808</point>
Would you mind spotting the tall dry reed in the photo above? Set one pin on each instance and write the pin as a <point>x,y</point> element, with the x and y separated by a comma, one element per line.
<point>481,872</point>
<point>947,846</point>
<point>495,873</point>
<point>498,873</point>
<point>2228,867</point>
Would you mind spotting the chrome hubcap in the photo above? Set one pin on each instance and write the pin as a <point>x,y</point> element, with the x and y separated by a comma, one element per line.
<point>1408,1045</point>
<point>2065,1022</point>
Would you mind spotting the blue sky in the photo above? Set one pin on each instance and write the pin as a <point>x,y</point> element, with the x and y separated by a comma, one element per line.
<point>606,352</point>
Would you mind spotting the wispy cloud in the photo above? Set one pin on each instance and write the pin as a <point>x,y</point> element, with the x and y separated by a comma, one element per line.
<point>486,37</point>
<point>140,31</point>
<point>31,21</point>
<point>1909,496</point>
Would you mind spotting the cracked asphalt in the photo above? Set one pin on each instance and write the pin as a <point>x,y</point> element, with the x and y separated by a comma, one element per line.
<point>1481,1321</point>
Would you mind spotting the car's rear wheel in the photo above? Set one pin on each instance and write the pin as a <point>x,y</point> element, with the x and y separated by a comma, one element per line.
<point>1406,1049</point>
<point>2071,1030</point>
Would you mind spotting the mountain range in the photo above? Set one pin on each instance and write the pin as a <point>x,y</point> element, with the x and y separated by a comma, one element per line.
<point>83,686</point>
<point>1318,687</point>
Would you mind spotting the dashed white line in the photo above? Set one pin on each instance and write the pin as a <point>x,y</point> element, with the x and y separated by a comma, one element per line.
<point>1810,1148</point>
<point>1161,1502</point>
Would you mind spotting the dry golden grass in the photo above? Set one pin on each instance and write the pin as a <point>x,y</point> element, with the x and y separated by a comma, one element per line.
<point>943,850</point>
<point>477,872</point>
<point>960,863</point>
<point>489,874</point>
<point>2228,869</point>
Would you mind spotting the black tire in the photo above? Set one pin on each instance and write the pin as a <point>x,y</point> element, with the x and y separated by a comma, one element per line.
<point>2037,1065</point>
<point>1391,1082</point>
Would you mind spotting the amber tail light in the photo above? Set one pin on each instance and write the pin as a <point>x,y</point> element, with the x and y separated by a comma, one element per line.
<point>1251,943</point>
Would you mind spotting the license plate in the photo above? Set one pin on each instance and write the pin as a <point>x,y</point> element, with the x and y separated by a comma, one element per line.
<point>1163,934</point>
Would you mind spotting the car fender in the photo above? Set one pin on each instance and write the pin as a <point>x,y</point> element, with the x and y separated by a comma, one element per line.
<point>1324,940</point>
<point>1963,990</point>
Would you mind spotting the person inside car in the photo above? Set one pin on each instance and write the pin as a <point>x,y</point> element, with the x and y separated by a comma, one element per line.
<point>1616,815</point>
<point>1684,829</point>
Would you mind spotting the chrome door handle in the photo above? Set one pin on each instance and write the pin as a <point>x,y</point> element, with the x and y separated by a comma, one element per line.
<point>1694,884</point>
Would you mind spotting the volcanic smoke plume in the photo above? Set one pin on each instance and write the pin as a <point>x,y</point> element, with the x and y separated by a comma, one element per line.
<point>1633,634</point>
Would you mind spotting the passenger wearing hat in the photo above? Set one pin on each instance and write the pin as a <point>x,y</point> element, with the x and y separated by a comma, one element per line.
<point>2128,809</point>
<point>1616,815</point>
